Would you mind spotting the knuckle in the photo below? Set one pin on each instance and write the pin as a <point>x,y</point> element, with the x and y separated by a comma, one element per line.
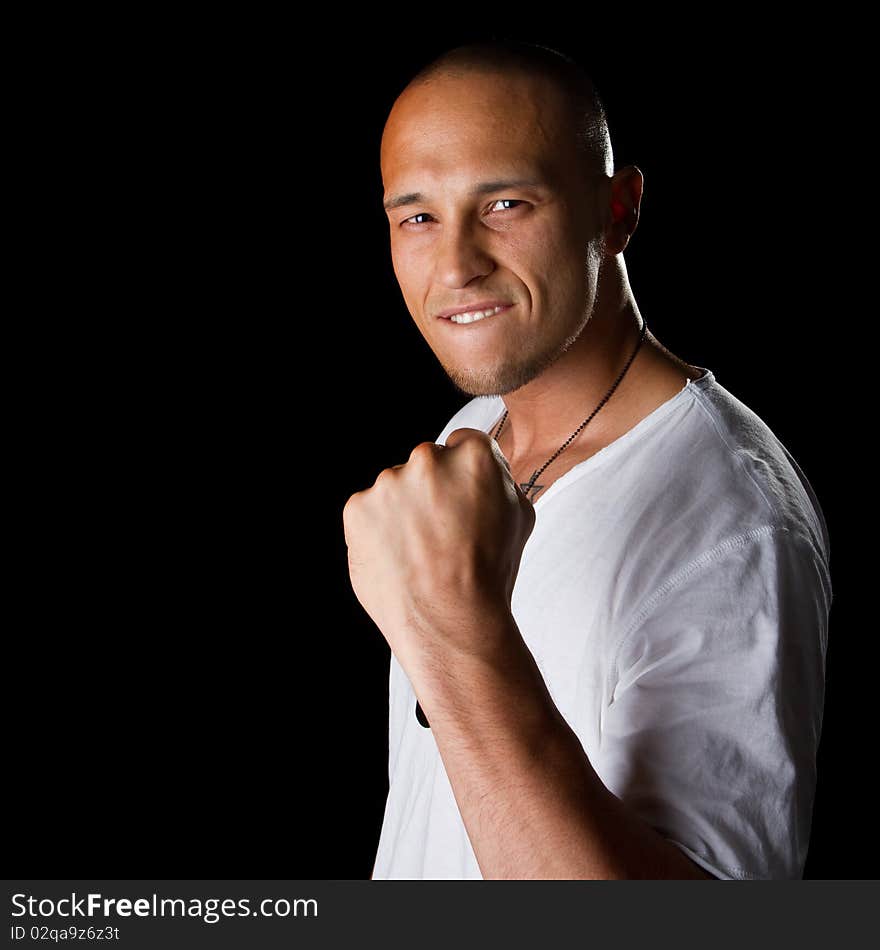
<point>477,447</point>
<point>478,452</point>
<point>384,476</point>
<point>348,509</point>
<point>423,451</point>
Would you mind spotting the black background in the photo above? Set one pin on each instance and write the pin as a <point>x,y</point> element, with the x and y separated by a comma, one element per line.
<point>217,355</point>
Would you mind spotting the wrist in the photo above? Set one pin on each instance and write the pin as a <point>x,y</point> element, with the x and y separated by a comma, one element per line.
<point>489,692</point>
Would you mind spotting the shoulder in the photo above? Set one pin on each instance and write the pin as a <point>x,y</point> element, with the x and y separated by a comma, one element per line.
<point>711,486</point>
<point>747,460</point>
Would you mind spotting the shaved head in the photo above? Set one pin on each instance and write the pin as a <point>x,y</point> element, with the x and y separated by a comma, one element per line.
<point>585,117</point>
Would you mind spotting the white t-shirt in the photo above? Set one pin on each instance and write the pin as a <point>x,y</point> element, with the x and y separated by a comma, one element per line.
<point>675,593</point>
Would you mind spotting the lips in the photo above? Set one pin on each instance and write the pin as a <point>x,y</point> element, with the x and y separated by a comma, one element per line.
<point>467,308</point>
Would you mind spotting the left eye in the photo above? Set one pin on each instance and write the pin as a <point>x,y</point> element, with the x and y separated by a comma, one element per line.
<point>509,200</point>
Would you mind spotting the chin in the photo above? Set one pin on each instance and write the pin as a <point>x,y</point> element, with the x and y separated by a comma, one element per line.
<point>477,382</point>
<point>470,381</point>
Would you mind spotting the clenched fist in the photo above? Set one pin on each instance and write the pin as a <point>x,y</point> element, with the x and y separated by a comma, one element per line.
<point>435,543</point>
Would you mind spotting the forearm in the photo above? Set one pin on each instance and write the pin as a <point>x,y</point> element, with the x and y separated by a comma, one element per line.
<point>532,804</point>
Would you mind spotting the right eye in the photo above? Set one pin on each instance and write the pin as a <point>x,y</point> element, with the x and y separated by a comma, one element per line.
<point>421,214</point>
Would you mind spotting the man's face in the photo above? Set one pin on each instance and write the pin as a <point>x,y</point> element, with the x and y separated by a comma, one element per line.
<point>534,246</point>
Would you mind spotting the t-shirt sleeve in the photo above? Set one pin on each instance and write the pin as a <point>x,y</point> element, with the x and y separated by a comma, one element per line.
<point>716,703</point>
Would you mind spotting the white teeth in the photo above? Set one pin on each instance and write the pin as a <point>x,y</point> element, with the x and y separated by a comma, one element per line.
<point>472,315</point>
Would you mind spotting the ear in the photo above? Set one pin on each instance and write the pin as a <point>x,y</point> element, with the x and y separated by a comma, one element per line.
<point>623,196</point>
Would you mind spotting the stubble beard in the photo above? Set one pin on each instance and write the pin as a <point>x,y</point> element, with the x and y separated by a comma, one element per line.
<point>510,376</point>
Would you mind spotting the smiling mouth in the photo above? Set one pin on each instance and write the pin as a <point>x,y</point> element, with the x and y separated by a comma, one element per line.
<point>474,316</point>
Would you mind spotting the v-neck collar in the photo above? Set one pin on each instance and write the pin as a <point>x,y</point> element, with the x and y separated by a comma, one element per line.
<point>495,410</point>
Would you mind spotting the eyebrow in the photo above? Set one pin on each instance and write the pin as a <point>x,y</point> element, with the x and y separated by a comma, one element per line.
<point>483,188</point>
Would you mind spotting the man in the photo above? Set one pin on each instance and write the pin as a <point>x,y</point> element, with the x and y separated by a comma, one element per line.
<point>608,639</point>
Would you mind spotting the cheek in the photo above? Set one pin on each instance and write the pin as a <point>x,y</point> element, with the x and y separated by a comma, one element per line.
<point>410,259</point>
<point>566,242</point>
<point>567,249</point>
<point>562,278</point>
<point>540,249</point>
<point>545,260</point>
<point>411,276</point>
<point>405,268</point>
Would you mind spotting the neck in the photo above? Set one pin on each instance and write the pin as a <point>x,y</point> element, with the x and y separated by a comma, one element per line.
<point>546,411</point>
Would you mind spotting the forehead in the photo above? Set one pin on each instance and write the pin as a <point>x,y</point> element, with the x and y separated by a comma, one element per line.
<point>458,127</point>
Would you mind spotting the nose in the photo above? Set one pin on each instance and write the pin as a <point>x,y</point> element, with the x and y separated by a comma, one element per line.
<point>461,257</point>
